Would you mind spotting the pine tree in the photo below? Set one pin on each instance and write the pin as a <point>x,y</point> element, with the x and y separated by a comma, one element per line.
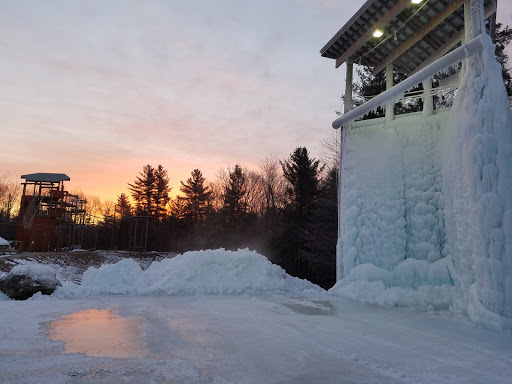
<point>503,38</point>
<point>161,191</point>
<point>143,190</point>
<point>323,232</point>
<point>197,196</point>
<point>124,206</point>
<point>235,208</point>
<point>178,207</point>
<point>303,175</point>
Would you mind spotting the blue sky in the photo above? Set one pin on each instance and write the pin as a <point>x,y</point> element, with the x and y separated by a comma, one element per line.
<point>98,89</point>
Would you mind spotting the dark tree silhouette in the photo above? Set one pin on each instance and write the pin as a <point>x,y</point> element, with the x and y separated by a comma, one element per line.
<point>150,191</point>
<point>161,191</point>
<point>303,175</point>
<point>503,38</point>
<point>124,206</point>
<point>197,197</point>
<point>235,208</point>
<point>142,190</point>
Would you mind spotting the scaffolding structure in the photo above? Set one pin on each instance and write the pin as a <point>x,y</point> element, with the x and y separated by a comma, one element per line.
<point>50,217</point>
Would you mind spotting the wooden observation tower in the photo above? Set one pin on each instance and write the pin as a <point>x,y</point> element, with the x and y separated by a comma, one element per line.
<point>50,218</point>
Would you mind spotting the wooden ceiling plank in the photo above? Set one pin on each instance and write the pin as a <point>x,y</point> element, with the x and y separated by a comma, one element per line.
<point>432,43</point>
<point>418,35</point>
<point>445,48</point>
<point>368,34</point>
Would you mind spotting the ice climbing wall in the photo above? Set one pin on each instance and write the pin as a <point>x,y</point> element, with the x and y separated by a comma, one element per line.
<point>428,201</point>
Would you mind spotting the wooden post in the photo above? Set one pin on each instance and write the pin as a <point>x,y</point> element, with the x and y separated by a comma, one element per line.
<point>473,18</point>
<point>467,12</point>
<point>390,107</point>
<point>428,101</point>
<point>347,103</point>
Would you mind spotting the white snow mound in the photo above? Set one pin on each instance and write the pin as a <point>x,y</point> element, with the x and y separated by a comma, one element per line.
<point>199,272</point>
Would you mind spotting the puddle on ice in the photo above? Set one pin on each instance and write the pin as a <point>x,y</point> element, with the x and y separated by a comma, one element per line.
<point>101,333</point>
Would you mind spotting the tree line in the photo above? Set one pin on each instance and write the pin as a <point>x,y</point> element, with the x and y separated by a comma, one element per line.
<point>286,210</point>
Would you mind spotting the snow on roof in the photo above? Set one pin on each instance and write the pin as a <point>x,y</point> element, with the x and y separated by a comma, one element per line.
<point>46,177</point>
<point>3,241</point>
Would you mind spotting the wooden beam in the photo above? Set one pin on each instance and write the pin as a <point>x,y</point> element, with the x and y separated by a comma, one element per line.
<point>444,49</point>
<point>452,42</point>
<point>418,35</point>
<point>368,34</point>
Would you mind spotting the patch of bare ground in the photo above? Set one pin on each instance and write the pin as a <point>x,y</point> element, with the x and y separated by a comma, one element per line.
<point>71,265</point>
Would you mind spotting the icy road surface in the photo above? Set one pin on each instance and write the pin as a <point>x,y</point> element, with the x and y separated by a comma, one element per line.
<point>242,339</point>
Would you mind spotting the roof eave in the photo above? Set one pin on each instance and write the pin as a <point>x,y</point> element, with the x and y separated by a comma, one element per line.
<point>345,27</point>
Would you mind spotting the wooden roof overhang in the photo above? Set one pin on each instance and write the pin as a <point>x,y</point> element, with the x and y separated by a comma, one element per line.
<point>414,34</point>
<point>46,177</point>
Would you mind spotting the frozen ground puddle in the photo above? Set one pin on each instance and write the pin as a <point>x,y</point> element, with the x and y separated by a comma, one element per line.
<point>101,333</point>
<point>307,306</point>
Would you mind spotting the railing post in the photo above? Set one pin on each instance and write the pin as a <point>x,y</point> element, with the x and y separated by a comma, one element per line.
<point>347,104</point>
<point>473,18</point>
<point>390,107</point>
<point>428,101</point>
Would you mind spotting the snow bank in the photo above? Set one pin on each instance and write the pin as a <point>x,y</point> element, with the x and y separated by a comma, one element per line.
<point>426,297</point>
<point>202,272</point>
<point>426,203</point>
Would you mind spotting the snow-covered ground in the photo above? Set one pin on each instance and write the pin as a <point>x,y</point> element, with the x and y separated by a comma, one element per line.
<point>164,325</point>
<point>242,339</point>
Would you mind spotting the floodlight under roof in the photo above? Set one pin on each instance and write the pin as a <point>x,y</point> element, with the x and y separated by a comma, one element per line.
<point>377,33</point>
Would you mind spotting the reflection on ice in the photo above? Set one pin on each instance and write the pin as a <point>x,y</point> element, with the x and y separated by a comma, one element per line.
<point>101,333</point>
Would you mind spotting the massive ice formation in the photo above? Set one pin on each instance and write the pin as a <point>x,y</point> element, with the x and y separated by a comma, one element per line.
<point>428,201</point>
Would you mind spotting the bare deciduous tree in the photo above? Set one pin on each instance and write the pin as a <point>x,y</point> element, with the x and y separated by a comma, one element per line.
<point>10,194</point>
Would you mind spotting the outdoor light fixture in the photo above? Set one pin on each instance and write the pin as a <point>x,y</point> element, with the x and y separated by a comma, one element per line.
<point>416,1</point>
<point>377,33</point>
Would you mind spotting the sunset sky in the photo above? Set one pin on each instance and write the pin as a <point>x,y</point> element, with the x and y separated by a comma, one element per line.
<point>98,89</point>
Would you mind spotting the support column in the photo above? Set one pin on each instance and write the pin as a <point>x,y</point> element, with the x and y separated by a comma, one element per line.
<point>467,13</point>
<point>390,107</point>
<point>473,19</point>
<point>428,101</point>
<point>347,104</point>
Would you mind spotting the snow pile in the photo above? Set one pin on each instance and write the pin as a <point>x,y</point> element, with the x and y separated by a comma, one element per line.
<point>201,272</point>
<point>426,297</point>
<point>426,204</point>
<point>3,243</point>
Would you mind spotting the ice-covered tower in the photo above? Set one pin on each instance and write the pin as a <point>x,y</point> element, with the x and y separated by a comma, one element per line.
<point>425,197</point>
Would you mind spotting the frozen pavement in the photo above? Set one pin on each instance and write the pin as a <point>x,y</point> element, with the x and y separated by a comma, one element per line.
<point>242,339</point>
